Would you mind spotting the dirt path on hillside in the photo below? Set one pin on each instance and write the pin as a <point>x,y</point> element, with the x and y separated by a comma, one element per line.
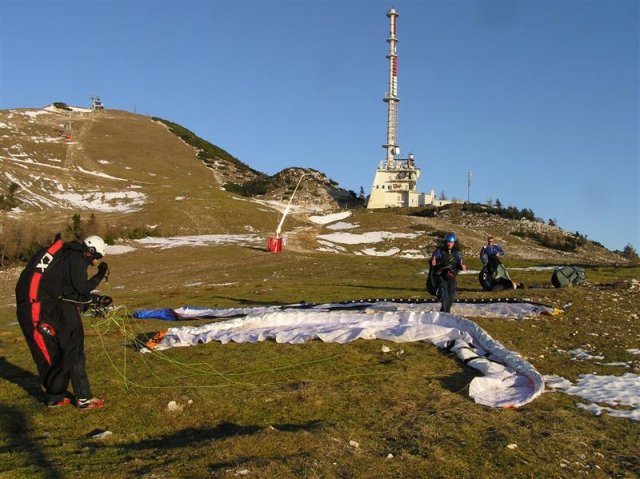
<point>78,131</point>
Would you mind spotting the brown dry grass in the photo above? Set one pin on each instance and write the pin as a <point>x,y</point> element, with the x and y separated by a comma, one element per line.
<point>299,410</point>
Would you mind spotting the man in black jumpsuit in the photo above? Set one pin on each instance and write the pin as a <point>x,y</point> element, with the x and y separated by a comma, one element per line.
<point>51,292</point>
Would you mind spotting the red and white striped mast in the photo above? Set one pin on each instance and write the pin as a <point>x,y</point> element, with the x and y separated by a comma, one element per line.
<point>391,98</point>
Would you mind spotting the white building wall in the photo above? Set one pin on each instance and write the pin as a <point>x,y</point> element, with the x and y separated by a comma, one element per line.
<point>389,192</point>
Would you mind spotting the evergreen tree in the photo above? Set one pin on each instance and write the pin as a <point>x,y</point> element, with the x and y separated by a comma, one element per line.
<point>9,200</point>
<point>630,253</point>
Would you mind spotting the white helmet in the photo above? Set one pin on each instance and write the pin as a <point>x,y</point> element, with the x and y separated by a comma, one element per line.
<point>96,246</point>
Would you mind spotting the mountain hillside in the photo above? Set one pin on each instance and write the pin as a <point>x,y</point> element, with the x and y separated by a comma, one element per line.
<point>133,172</point>
<point>123,167</point>
<point>126,165</point>
<point>312,189</point>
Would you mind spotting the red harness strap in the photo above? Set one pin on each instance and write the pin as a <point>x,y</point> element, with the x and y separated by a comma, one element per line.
<point>34,285</point>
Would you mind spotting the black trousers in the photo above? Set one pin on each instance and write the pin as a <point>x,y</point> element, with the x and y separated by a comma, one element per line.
<point>447,292</point>
<point>57,348</point>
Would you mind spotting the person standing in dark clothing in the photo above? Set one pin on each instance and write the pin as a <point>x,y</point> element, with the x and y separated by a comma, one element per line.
<point>51,292</point>
<point>446,262</point>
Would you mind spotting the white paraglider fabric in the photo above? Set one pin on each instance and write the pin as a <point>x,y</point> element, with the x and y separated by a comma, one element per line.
<point>495,309</point>
<point>508,380</point>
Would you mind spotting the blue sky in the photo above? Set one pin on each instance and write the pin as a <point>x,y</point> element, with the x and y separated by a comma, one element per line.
<point>539,99</point>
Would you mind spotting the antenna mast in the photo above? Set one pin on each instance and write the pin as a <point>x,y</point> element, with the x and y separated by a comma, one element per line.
<point>391,98</point>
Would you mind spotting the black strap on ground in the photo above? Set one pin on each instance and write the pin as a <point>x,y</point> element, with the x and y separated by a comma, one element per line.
<point>363,303</point>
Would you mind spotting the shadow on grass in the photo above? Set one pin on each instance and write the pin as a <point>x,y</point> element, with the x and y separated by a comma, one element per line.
<point>21,377</point>
<point>256,462</point>
<point>261,249</point>
<point>381,288</point>
<point>15,428</point>
<point>248,302</point>
<point>162,447</point>
<point>195,436</point>
<point>470,290</point>
<point>459,382</point>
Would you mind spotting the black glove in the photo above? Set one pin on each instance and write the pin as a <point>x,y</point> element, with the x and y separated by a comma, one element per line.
<point>103,301</point>
<point>103,270</point>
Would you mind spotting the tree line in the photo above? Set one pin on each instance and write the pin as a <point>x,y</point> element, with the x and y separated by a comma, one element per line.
<point>22,238</point>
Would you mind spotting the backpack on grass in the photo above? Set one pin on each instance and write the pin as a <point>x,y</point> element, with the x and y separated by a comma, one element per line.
<point>567,276</point>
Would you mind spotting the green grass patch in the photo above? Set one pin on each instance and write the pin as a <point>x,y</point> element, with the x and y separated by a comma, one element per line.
<point>315,409</point>
<point>207,151</point>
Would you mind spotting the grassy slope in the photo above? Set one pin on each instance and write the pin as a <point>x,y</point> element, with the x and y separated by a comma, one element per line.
<point>153,160</point>
<point>147,154</point>
<point>292,410</point>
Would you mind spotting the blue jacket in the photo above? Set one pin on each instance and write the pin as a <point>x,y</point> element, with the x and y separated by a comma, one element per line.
<point>487,251</point>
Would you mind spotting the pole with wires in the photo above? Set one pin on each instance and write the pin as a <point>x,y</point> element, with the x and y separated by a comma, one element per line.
<point>286,210</point>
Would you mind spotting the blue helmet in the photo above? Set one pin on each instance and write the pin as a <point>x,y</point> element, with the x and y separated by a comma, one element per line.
<point>450,237</point>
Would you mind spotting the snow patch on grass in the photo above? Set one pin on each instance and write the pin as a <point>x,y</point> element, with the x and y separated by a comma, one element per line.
<point>326,219</point>
<point>621,392</point>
